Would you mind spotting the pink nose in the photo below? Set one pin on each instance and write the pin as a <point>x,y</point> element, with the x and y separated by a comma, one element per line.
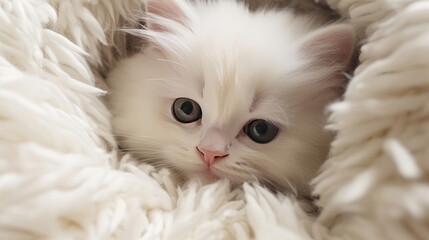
<point>209,156</point>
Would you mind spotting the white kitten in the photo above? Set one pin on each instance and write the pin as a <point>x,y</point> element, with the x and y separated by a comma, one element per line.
<point>221,92</point>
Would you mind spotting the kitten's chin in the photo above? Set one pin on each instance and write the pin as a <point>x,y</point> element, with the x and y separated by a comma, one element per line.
<point>206,176</point>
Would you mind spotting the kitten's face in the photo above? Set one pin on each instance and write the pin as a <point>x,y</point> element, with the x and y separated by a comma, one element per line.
<point>233,95</point>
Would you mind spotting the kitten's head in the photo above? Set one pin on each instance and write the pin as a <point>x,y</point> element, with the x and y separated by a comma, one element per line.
<point>221,92</point>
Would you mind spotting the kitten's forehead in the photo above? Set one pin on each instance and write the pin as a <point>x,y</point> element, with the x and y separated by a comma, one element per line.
<point>226,96</point>
<point>238,87</point>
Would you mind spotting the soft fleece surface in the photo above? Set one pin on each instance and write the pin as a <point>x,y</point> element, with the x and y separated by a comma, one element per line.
<point>59,179</point>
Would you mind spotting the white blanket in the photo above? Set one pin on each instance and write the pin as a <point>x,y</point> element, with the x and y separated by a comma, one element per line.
<point>60,179</point>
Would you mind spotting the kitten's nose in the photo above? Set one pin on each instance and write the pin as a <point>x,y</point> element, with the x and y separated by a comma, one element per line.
<point>210,156</point>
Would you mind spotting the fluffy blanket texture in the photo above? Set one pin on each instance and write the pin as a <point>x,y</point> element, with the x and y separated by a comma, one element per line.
<point>59,179</point>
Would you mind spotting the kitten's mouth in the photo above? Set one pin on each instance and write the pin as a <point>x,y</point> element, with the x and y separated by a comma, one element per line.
<point>208,175</point>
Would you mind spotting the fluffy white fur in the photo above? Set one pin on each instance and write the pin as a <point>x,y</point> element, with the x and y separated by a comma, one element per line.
<point>58,179</point>
<point>238,66</point>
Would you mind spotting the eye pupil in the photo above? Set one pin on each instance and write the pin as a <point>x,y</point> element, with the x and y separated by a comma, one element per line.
<point>261,128</point>
<point>261,131</point>
<point>186,110</point>
<point>187,107</point>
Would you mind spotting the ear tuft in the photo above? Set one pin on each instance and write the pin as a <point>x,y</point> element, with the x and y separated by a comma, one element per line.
<point>330,45</point>
<point>159,10</point>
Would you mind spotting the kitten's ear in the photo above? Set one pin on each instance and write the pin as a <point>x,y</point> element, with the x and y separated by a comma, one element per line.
<point>330,45</point>
<point>161,11</point>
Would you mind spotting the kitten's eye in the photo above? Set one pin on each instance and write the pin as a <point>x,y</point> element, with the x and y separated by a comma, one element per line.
<point>186,110</point>
<point>261,131</point>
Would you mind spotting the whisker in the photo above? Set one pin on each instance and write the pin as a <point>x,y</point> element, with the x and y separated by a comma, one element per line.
<point>171,61</point>
<point>162,79</point>
<point>146,144</point>
<point>136,136</point>
<point>142,149</point>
